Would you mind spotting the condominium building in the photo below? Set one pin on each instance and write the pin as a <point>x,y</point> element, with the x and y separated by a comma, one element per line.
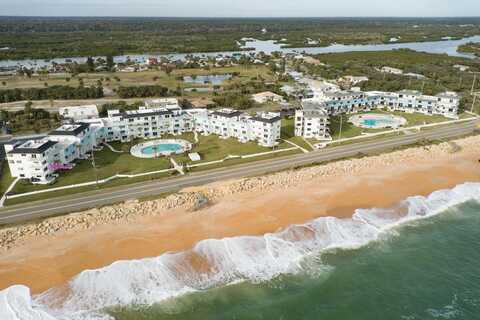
<point>79,112</point>
<point>340,102</point>
<point>146,123</point>
<point>410,101</point>
<point>352,101</point>
<point>31,159</point>
<point>312,121</point>
<point>38,160</point>
<point>264,128</point>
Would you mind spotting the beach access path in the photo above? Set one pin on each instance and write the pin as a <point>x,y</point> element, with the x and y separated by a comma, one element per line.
<point>87,200</point>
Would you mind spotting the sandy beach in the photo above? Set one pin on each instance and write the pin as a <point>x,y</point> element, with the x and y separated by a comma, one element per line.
<point>270,204</point>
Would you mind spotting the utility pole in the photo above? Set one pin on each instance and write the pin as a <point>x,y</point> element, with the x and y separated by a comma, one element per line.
<point>95,168</point>
<point>473,84</point>
<point>340,132</point>
<point>423,86</point>
<point>474,100</point>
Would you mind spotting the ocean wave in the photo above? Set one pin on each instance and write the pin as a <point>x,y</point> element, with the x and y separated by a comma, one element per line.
<point>213,263</point>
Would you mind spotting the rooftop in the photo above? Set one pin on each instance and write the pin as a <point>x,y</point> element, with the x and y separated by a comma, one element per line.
<point>144,112</point>
<point>70,129</point>
<point>410,92</point>
<point>267,117</point>
<point>227,113</point>
<point>33,146</point>
<point>266,94</point>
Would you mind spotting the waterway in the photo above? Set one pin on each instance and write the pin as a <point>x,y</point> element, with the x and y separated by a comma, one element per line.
<point>251,46</point>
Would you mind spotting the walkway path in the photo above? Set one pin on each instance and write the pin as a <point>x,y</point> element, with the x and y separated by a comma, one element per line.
<point>176,166</point>
<point>112,148</point>
<point>296,145</point>
<point>10,188</point>
<point>195,136</point>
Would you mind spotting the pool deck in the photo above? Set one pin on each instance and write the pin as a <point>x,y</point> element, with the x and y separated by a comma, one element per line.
<point>137,150</point>
<point>377,121</point>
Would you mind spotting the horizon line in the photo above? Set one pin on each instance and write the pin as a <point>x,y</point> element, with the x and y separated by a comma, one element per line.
<point>241,17</point>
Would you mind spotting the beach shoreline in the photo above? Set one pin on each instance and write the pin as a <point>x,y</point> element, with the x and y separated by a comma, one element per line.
<point>252,206</point>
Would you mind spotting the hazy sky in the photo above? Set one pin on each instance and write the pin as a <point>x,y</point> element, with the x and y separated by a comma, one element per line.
<point>243,8</point>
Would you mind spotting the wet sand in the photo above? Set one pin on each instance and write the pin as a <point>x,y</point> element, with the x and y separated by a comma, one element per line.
<point>52,261</point>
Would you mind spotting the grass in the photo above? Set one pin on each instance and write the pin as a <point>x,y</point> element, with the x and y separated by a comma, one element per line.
<point>386,135</point>
<point>150,77</point>
<point>349,130</point>
<point>107,163</point>
<point>288,133</point>
<point>6,178</point>
<point>67,192</point>
<point>238,161</point>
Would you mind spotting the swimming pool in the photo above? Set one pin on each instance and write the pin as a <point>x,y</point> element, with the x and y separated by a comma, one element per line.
<point>377,121</point>
<point>161,148</point>
<point>158,148</point>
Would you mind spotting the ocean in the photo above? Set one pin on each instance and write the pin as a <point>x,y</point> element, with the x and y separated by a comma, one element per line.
<point>419,260</point>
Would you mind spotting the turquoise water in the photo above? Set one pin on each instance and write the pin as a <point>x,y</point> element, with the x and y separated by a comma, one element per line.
<point>427,269</point>
<point>376,122</point>
<point>162,147</point>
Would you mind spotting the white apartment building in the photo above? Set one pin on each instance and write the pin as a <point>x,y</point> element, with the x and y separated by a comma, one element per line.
<point>38,160</point>
<point>162,103</point>
<point>78,113</point>
<point>31,159</point>
<point>264,128</point>
<point>340,102</point>
<point>312,122</point>
<point>410,101</point>
<point>146,123</point>
<point>74,141</point>
<point>352,101</point>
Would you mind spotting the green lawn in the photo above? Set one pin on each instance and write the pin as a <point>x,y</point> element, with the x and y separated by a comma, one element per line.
<point>107,163</point>
<point>288,133</point>
<point>67,192</point>
<point>350,131</point>
<point>5,178</point>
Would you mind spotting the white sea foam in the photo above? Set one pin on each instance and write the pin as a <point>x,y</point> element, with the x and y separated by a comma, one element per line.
<point>213,263</point>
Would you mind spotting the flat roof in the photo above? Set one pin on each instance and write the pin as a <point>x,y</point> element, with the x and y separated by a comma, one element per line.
<point>266,120</point>
<point>139,114</point>
<point>70,129</point>
<point>227,113</point>
<point>33,146</point>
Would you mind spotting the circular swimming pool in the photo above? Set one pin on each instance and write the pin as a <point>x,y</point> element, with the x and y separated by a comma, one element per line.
<point>377,121</point>
<point>158,148</point>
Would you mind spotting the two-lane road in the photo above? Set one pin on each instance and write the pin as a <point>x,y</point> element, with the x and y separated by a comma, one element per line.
<point>49,207</point>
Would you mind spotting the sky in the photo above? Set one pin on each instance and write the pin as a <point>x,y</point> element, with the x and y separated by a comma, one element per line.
<point>241,8</point>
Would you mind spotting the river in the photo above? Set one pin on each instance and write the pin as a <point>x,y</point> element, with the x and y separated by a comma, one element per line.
<point>449,47</point>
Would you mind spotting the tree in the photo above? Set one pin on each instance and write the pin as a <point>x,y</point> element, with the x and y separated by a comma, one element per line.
<point>110,63</point>
<point>28,107</point>
<point>90,64</point>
